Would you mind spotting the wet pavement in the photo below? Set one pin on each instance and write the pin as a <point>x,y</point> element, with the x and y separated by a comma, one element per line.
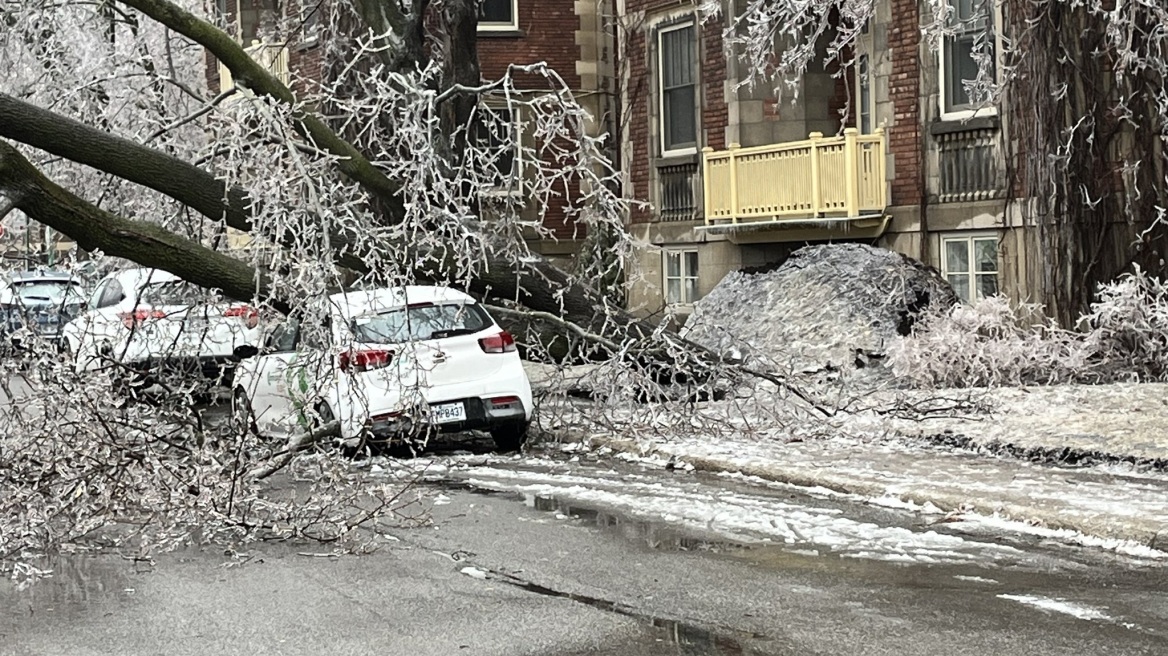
<point>575,555</point>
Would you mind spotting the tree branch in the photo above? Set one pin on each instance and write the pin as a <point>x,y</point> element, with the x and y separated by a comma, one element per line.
<point>94,228</point>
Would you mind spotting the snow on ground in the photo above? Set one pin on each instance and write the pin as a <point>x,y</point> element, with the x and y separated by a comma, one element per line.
<point>1084,505</point>
<point>744,518</point>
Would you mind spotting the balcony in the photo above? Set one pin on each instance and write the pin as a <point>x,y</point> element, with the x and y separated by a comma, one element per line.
<point>272,56</point>
<point>822,180</point>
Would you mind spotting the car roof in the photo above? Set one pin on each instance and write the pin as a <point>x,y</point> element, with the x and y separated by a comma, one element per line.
<point>136,278</point>
<point>45,275</point>
<point>356,303</point>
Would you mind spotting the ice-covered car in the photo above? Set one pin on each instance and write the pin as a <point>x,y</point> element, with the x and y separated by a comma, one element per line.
<point>148,319</point>
<point>389,363</point>
<point>36,304</point>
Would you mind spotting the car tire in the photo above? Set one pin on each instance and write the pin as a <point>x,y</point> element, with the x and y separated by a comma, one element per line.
<point>510,437</point>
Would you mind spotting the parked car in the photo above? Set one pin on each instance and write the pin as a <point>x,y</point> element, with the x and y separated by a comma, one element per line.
<point>38,304</point>
<point>388,363</point>
<point>148,320</point>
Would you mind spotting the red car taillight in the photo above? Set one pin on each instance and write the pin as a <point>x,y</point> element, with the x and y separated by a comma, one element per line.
<point>247,314</point>
<point>501,343</point>
<point>358,361</point>
<point>132,319</point>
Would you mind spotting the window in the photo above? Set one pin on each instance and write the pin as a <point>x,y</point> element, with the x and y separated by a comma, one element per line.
<point>498,15</point>
<point>678,79</point>
<point>284,338</point>
<point>420,322</point>
<point>111,295</point>
<point>864,95</point>
<point>972,23</point>
<point>971,266</point>
<point>498,132</point>
<point>309,19</point>
<point>681,277</point>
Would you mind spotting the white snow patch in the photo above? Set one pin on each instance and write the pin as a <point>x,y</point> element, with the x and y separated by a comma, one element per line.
<point>1125,547</point>
<point>474,572</point>
<point>975,579</point>
<point>1059,606</point>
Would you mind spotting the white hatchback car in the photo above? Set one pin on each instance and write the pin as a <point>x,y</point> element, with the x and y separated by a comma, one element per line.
<point>148,319</point>
<point>388,363</point>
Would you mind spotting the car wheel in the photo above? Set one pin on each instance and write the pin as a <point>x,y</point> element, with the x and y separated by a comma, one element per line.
<point>510,437</point>
<point>242,416</point>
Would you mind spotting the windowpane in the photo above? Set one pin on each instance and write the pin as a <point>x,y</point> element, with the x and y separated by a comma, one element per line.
<point>960,284</point>
<point>673,290</point>
<point>680,128</point>
<point>987,285</point>
<point>691,290</point>
<point>691,263</point>
<point>495,11</point>
<point>678,97</point>
<point>677,57</point>
<point>957,256</point>
<point>673,265</point>
<point>985,255</point>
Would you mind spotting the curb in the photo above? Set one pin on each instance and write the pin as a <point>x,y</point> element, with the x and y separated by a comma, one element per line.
<point>1048,518</point>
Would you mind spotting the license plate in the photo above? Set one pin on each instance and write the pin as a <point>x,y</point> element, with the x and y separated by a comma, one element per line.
<point>448,412</point>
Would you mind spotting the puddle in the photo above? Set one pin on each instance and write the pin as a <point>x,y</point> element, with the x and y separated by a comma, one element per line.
<point>652,534</point>
<point>78,584</point>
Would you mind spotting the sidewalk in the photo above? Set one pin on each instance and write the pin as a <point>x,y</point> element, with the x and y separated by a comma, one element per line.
<point>1118,503</point>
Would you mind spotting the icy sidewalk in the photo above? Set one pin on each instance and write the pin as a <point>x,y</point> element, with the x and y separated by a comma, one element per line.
<point>1098,506</point>
<point>1097,423</point>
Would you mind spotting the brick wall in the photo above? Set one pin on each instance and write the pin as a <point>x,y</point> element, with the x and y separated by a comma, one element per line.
<point>904,139</point>
<point>547,33</point>
<point>715,113</point>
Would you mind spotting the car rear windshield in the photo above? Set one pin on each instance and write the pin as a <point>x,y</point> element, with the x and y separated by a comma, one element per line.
<point>176,292</point>
<point>47,291</point>
<point>420,322</point>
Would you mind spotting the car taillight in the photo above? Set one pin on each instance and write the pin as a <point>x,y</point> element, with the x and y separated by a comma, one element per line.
<point>135,318</point>
<point>358,361</point>
<point>500,343</point>
<point>249,315</point>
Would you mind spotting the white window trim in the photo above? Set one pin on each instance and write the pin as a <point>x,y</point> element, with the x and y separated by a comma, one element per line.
<point>680,252</point>
<point>688,150</point>
<point>962,114</point>
<point>517,129</point>
<point>968,239</point>
<point>512,26</point>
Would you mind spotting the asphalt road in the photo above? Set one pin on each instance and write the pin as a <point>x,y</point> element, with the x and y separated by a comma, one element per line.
<point>530,556</point>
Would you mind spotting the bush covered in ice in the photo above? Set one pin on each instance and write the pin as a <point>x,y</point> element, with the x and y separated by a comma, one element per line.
<point>1124,337</point>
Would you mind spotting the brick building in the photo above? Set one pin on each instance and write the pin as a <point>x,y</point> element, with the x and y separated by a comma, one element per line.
<point>573,36</point>
<point>736,178</point>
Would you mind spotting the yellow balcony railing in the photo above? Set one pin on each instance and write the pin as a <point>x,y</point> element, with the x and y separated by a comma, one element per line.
<point>820,177</point>
<point>272,56</point>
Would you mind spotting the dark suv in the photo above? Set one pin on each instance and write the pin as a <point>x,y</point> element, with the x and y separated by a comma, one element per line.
<point>41,302</point>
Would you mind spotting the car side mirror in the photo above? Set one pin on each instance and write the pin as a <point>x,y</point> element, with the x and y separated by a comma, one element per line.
<point>245,351</point>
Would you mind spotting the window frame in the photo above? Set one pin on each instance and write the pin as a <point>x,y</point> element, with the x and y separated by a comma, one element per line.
<point>956,112</point>
<point>972,274</point>
<point>663,145</point>
<point>499,26</point>
<point>682,278</point>
<point>517,147</point>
